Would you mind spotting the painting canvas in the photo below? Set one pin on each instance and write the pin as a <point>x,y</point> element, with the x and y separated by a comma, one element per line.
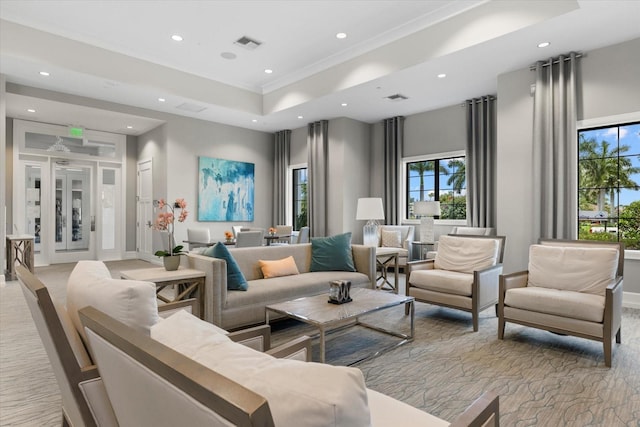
<point>225,190</point>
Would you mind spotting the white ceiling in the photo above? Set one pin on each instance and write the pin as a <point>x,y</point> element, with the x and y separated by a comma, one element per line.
<point>121,52</point>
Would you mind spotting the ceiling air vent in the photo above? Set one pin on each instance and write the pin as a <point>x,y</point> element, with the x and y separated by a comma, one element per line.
<point>192,108</point>
<point>247,43</point>
<point>396,97</point>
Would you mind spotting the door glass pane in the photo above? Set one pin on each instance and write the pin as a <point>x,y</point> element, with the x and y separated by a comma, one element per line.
<point>72,208</point>
<point>53,144</point>
<point>108,209</point>
<point>33,197</point>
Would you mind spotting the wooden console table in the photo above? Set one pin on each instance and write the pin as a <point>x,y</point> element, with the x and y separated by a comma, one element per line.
<point>187,281</point>
<point>19,251</point>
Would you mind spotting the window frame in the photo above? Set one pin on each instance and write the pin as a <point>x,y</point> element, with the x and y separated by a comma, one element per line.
<point>602,122</point>
<point>290,211</point>
<point>405,179</point>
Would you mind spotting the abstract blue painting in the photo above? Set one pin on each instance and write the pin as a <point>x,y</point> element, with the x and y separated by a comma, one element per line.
<point>225,190</point>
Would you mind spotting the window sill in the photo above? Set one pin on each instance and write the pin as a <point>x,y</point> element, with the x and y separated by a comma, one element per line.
<point>632,254</point>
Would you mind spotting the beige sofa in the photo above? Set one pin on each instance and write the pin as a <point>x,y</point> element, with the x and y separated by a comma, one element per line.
<point>234,309</point>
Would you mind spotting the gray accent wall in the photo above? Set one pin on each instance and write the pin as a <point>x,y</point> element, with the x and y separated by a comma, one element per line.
<point>610,87</point>
<point>175,147</point>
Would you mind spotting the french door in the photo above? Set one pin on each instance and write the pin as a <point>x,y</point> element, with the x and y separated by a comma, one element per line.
<point>68,192</point>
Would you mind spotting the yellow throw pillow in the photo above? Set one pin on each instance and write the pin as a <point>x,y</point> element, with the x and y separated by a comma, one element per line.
<point>281,267</point>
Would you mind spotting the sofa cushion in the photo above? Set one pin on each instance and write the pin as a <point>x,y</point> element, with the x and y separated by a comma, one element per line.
<point>391,238</point>
<point>572,268</point>
<point>269,291</point>
<point>332,253</point>
<point>450,282</point>
<point>132,302</point>
<point>577,305</point>
<point>299,393</point>
<point>466,254</point>
<point>235,278</point>
<point>278,268</point>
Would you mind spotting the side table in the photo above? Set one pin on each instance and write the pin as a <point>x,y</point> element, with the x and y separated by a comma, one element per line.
<point>19,250</point>
<point>385,256</point>
<point>421,249</point>
<point>187,281</point>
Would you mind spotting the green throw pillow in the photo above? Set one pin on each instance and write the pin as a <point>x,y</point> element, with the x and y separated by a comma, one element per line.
<point>332,253</point>
<point>235,278</point>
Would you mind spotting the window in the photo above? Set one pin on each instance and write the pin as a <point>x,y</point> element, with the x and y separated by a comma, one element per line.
<point>299,198</point>
<point>609,184</point>
<point>442,179</point>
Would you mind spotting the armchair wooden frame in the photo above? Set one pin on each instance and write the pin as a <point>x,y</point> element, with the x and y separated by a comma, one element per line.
<point>612,324</point>
<point>484,289</point>
<point>71,376</point>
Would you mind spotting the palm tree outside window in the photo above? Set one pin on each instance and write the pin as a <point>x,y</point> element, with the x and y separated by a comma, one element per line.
<point>608,184</point>
<point>448,185</point>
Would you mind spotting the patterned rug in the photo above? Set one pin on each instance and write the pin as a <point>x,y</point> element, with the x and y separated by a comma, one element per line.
<point>543,379</point>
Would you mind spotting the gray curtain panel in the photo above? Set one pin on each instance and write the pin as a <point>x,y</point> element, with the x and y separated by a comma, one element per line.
<point>317,144</point>
<point>282,141</point>
<point>555,148</point>
<point>393,143</point>
<point>481,161</point>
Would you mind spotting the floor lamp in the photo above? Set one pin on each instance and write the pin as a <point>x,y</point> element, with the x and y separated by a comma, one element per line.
<point>370,209</point>
<point>426,210</point>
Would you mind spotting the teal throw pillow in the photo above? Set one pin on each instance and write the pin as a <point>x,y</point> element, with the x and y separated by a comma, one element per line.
<point>235,278</point>
<point>332,253</point>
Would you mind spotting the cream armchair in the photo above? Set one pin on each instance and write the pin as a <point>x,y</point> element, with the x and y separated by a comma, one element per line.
<point>571,287</point>
<point>397,236</point>
<point>464,275</point>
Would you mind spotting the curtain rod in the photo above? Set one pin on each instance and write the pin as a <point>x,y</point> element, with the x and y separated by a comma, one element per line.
<point>555,61</point>
<point>479,100</point>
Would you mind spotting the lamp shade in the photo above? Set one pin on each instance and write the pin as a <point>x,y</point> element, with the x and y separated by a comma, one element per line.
<point>370,208</point>
<point>426,208</point>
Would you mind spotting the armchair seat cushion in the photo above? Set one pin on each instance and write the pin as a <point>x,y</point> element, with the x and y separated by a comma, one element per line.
<point>576,305</point>
<point>450,282</point>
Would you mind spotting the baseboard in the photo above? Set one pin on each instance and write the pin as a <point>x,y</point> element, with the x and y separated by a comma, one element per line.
<point>631,300</point>
<point>130,255</point>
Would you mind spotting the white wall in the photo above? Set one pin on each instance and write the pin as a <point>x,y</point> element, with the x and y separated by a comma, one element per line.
<point>610,86</point>
<point>3,176</point>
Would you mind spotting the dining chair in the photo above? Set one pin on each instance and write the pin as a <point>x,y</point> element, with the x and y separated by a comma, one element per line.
<point>246,239</point>
<point>283,230</point>
<point>303,235</point>
<point>198,237</point>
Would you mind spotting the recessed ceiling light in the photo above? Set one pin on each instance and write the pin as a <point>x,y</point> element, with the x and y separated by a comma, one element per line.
<point>44,73</point>
<point>442,75</point>
<point>31,110</point>
<point>129,127</point>
<point>268,70</point>
<point>341,35</point>
<point>543,44</point>
<point>228,55</point>
<point>161,99</point>
<point>176,38</point>
<point>344,104</point>
<point>300,117</point>
<point>254,120</point>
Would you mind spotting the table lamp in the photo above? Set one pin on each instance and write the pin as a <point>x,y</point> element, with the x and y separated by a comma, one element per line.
<point>426,211</point>
<point>371,210</point>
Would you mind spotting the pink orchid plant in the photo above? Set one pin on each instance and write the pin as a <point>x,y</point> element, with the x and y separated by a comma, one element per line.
<point>165,221</point>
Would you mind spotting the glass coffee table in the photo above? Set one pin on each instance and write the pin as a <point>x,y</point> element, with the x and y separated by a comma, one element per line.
<point>318,312</point>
